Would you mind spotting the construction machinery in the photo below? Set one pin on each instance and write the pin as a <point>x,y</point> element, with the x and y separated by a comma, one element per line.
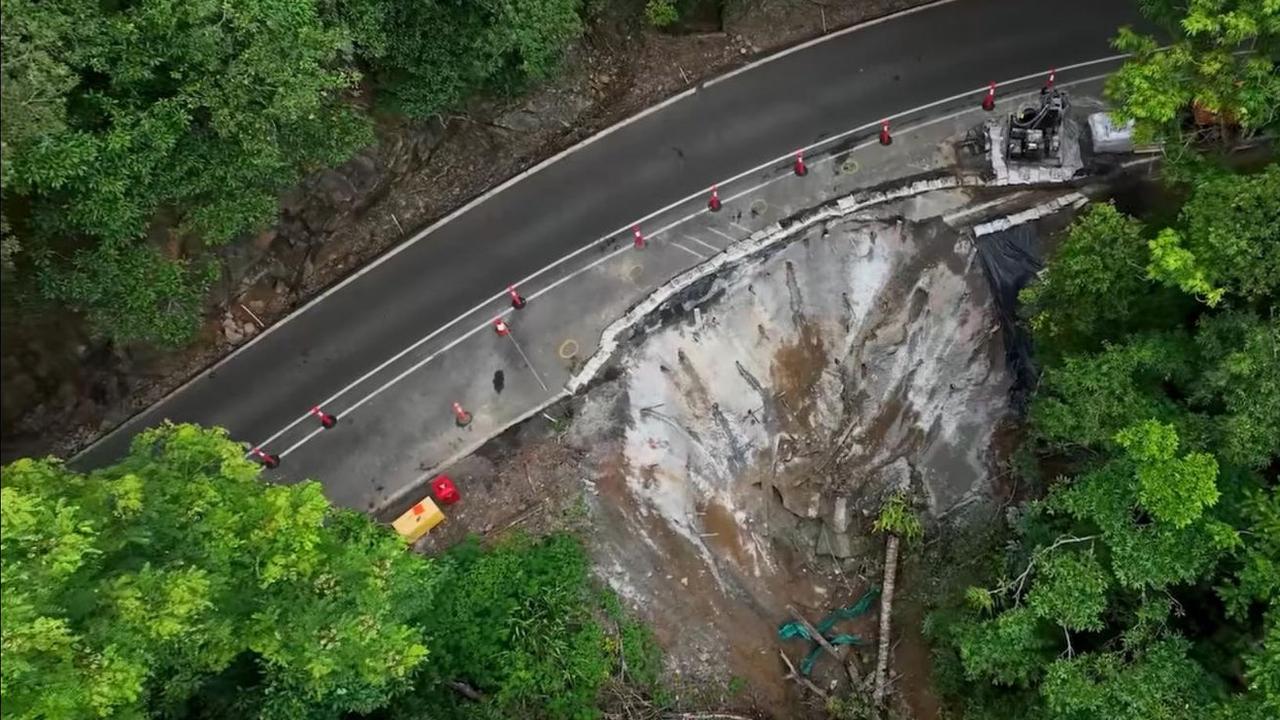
<point>1035,131</point>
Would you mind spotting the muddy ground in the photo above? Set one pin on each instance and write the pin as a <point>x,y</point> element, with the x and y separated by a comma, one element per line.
<point>732,458</point>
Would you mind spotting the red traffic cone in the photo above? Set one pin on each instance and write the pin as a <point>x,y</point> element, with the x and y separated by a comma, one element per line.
<point>639,237</point>
<point>462,417</point>
<point>714,203</point>
<point>885,137</point>
<point>517,300</point>
<point>989,102</point>
<point>1053,73</point>
<point>800,168</point>
<point>326,420</point>
<point>501,327</point>
<point>269,461</point>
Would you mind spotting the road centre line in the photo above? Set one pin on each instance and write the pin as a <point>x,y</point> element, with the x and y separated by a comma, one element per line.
<point>625,248</point>
<point>133,420</point>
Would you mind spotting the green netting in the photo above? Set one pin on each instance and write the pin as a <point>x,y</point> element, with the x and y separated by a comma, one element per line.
<point>795,629</point>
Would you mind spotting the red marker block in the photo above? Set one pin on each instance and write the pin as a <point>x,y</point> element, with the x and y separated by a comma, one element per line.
<point>501,327</point>
<point>1053,73</point>
<point>885,137</point>
<point>639,237</point>
<point>269,461</point>
<point>463,418</point>
<point>445,491</point>
<point>989,102</point>
<point>326,420</point>
<point>798,166</point>
<point>714,203</point>
<point>517,300</point>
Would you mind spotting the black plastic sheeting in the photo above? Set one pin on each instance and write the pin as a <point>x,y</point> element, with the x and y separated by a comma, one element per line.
<point>1010,260</point>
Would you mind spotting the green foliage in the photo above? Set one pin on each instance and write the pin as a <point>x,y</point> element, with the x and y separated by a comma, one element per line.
<point>1159,681</point>
<point>130,591</point>
<point>1257,580</point>
<point>519,624</point>
<point>1175,490</point>
<point>1087,399</point>
<point>1166,423</point>
<point>1010,649</point>
<point>176,123</point>
<point>1156,87</point>
<point>1071,591</point>
<point>1177,266</point>
<point>191,114</point>
<point>1145,552</point>
<point>431,55</point>
<point>897,518</point>
<point>661,13</point>
<point>1239,380</point>
<point>979,599</point>
<point>1095,285</point>
<point>185,105</point>
<point>1226,245</point>
<point>131,292</point>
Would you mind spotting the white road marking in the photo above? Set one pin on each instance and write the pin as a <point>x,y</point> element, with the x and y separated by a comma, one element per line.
<point>628,248</point>
<point>706,245</point>
<point>691,251</point>
<point>724,235</point>
<point>741,227</point>
<point>698,195</point>
<point>301,442</point>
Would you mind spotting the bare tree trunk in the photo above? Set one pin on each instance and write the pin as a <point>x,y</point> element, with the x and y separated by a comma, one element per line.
<point>886,610</point>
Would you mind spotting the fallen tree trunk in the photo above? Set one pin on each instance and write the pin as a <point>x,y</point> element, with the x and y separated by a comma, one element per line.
<point>886,611</point>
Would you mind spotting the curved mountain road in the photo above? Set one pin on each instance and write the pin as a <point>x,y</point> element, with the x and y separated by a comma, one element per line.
<point>722,128</point>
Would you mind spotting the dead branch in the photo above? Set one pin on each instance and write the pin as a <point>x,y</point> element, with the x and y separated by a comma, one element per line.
<point>1022,579</point>
<point>831,649</point>
<point>793,675</point>
<point>524,515</point>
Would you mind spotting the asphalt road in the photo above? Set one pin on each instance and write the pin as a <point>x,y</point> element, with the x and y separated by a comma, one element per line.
<point>722,129</point>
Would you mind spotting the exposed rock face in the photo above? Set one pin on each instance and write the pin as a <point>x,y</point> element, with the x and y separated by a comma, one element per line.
<point>821,379</point>
<point>742,443</point>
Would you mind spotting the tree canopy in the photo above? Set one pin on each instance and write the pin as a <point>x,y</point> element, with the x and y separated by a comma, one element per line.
<point>1222,59</point>
<point>147,586</point>
<point>138,135</point>
<point>1143,583</point>
<point>1156,556</point>
<point>178,584</point>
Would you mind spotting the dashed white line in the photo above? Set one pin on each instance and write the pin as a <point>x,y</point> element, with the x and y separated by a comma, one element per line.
<point>741,227</point>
